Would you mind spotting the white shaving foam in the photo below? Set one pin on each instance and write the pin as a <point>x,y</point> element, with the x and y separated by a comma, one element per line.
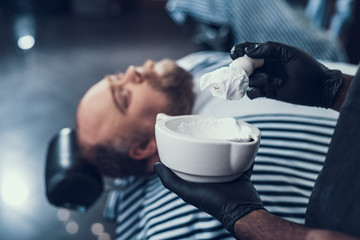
<point>215,128</point>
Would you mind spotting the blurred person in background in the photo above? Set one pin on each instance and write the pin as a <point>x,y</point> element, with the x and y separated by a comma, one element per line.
<point>334,17</point>
<point>215,22</point>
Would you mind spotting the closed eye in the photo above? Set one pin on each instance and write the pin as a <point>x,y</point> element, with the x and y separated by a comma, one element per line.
<point>138,77</point>
<point>121,97</point>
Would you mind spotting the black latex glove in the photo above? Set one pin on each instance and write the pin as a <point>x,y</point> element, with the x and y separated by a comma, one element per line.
<point>289,74</point>
<point>227,202</point>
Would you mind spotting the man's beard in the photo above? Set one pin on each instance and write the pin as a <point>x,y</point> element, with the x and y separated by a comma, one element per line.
<point>117,164</point>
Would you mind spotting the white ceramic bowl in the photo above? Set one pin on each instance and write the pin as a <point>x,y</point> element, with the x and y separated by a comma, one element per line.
<point>199,159</point>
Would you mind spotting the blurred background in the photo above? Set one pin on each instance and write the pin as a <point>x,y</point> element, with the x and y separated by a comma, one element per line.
<point>52,51</point>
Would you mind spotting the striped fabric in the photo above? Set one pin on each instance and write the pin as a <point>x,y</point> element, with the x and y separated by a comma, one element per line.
<point>291,154</point>
<point>147,210</point>
<point>261,21</point>
<point>207,11</point>
<point>292,150</point>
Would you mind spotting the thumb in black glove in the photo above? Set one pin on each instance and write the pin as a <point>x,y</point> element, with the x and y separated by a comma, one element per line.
<point>227,202</point>
<point>289,74</point>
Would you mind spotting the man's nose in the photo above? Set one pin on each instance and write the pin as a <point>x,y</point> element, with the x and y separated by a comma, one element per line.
<point>130,68</point>
<point>120,79</point>
<point>116,79</point>
<point>149,64</point>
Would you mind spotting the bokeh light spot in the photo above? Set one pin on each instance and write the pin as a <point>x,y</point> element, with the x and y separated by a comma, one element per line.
<point>72,227</point>
<point>104,236</point>
<point>14,190</point>
<point>97,229</point>
<point>63,214</point>
<point>26,42</point>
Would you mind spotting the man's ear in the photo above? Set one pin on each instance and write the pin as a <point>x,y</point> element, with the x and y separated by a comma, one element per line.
<point>143,149</point>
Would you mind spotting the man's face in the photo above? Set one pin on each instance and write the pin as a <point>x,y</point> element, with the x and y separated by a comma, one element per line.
<point>120,105</point>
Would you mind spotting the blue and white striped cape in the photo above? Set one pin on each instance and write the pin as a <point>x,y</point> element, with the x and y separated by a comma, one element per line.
<point>292,150</point>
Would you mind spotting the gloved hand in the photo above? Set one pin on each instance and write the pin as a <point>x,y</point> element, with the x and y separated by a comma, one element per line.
<point>227,202</point>
<point>289,74</point>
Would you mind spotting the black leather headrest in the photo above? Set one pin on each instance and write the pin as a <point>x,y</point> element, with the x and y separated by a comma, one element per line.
<point>71,182</point>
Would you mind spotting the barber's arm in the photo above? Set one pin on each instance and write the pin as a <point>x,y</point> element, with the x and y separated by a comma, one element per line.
<point>238,207</point>
<point>292,75</point>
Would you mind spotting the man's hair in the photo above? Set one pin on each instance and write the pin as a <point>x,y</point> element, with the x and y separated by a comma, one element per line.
<point>114,161</point>
<point>177,85</point>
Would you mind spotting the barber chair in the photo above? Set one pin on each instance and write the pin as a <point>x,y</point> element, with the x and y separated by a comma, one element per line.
<point>70,181</point>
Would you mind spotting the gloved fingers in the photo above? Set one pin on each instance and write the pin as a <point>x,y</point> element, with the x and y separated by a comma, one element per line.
<point>167,177</point>
<point>262,85</point>
<point>259,79</point>
<point>173,182</point>
<point>272,50</point>
<point>238,50</point>
<point>263,80</point>
<point>245,176</point>
<point>201,195</point>
<point>253,92</point>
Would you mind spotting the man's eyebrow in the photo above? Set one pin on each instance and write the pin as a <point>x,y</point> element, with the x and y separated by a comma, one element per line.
<point>112,90</point>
